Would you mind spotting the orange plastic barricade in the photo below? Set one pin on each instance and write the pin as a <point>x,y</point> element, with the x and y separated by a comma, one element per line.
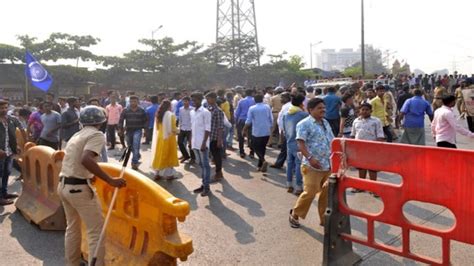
<point>39,202</point>
<point>424,173</point>
<point>142,229</point>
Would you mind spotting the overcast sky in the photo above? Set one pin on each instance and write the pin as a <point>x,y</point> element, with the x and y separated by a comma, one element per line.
<point>430,35</point>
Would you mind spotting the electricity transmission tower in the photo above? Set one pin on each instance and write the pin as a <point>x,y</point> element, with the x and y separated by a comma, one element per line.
<point>237,27</point>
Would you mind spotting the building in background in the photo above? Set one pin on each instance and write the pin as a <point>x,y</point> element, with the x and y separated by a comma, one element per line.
<point>330,59</point>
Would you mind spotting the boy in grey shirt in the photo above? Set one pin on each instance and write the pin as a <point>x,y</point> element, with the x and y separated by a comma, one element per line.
<point>51,121</point>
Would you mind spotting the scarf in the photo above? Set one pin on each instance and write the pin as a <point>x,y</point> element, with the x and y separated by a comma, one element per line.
<point>166,125</point>
<point>294,109</point>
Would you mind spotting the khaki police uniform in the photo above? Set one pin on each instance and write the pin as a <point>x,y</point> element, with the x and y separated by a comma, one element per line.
<point>276,105</point>
<point>468,106</point>
<point>79,199</point>
<point>439,93</point>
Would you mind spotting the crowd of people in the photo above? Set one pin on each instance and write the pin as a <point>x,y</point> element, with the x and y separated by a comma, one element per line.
<point>300,121</point>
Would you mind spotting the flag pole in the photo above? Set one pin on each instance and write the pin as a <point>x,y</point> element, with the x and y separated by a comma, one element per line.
<point>26,80</point>
<point>26,90</point>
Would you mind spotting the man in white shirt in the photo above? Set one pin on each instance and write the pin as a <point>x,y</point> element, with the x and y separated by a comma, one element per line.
<point>63,104</point>
<point>445,126</point>
<point>174,102</point>
<point>185,127</point>
<point>200,140</point>
<point>268,95</point>
<point>286,101</point>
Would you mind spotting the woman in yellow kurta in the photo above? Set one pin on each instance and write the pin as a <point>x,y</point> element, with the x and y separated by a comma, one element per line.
<point>164,143</point>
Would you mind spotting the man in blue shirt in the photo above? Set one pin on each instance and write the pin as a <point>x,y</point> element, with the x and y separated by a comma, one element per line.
<point>259,115</point>
<point>290,120</point>
<point>414,110</point>
<point>240,116</point>
<point>333,104</point>
<point>150,112</point>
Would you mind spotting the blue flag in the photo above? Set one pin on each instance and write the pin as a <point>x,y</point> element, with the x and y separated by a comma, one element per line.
<point>37,74</point>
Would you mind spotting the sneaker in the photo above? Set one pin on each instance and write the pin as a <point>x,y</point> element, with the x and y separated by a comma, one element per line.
<point>184,159</point>
<point>4,201</point>
<point>276,166</point>
<point>218,176</point>
<point>294,223</point>
<point>198,190</point>
<point>10,196</point>
<point>264,167</point>
<point>205,192</point>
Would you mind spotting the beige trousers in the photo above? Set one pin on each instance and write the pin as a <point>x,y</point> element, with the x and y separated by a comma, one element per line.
<point>312,185</point>
<point>81,204</point>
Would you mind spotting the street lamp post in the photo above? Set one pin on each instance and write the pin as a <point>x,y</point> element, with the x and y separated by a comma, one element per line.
<point>311,52</point>
<point>154,31</point>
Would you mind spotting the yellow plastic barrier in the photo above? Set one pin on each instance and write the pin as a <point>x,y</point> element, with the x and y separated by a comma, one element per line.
<point>39,202</point>
<point>142,229</point>
<point>20,143</point>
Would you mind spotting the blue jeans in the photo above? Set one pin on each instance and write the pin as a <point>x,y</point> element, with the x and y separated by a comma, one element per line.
<point>203,160</point>
<point>294,164</point>
<point>134,137</point>
<point>5,171</point>
<point>104,157</point>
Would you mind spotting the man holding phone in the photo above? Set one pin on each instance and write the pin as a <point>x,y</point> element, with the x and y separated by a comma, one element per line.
<point>200,132</point>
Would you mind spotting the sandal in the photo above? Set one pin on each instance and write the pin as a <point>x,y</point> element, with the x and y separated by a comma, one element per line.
<point>294,223</point>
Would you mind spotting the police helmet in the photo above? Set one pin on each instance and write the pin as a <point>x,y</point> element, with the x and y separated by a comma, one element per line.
<point>279,90</point>
<point>92,115</point>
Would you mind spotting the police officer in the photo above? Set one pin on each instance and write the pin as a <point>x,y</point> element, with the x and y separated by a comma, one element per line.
<point>78,197</point>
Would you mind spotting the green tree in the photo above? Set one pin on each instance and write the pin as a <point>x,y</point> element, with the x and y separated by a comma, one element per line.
<point>10,53</point>
<point>60,46</point>
<point>239,53</point>
<point>353,71</point>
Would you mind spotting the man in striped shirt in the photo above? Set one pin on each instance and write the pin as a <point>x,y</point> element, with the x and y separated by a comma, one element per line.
<point>136,120</point>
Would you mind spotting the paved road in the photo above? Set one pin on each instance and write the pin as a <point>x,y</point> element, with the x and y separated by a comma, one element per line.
<point>244,221</point>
